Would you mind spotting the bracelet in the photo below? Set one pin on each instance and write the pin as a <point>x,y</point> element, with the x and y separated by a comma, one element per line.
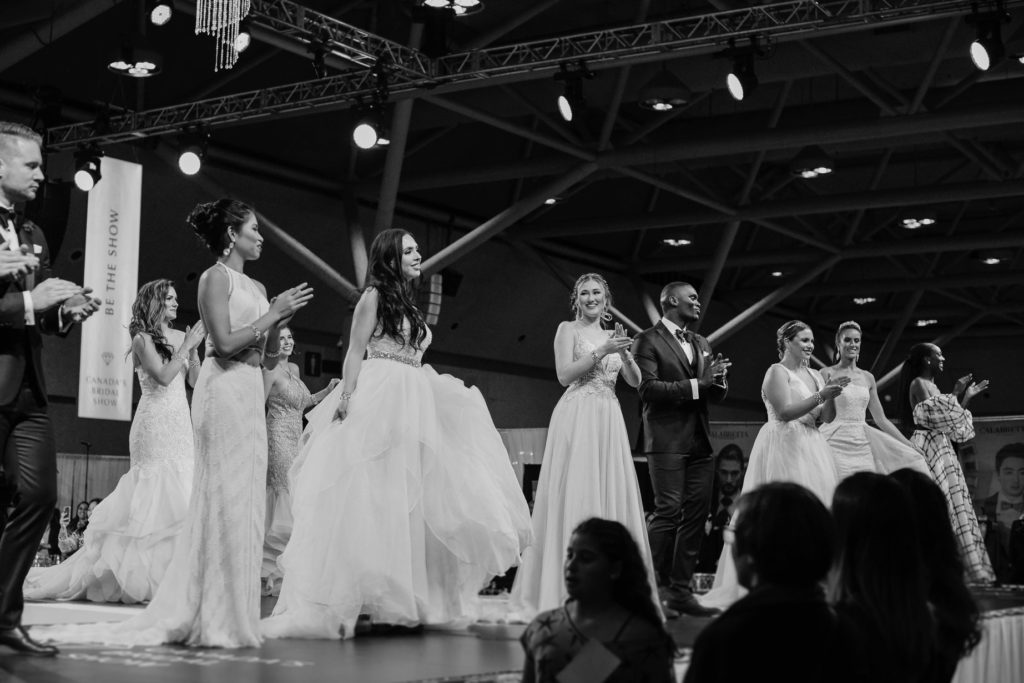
<point>258,332</point>
<point>183,357</point>
<point>629,357</point>
<point>597,358</point>
<point>275,354</point>
<point>818,398</point>
<point>194,363</point>
<point>345,395</point>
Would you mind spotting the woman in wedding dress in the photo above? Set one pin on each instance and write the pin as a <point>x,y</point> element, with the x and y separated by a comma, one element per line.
<point>587,470</point>
<point>789,446</point>
<point>856,446</point>
<point>130,536</point>
<point>287,398</point>
<point>404,499</point>
<point>939,419</point>
<point>210,595</point>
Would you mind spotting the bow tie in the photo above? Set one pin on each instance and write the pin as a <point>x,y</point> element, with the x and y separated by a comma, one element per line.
<point>1003,506</point>
<point>8,218</point>
<point>684,336</point>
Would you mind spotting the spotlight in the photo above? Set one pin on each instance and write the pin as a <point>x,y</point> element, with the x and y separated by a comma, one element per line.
<point>550,201</point>
<point>571,100</point>
<point>244,38</point>
<point>993,257</point>
<point>913,220</point>
<point>987,47</point>
<point>459,8</point>
<point>370,132</point>
<point>190,161</point>
<point>777,273</point>
<point>926,322</point>
<point>135,61</point>
<point>677,241</point>
<point>742,80</point>
<point>811,162</point>
<point>664,92</point>
<point>87,168</point>
<point>161,12</point>
<point>863,300</point>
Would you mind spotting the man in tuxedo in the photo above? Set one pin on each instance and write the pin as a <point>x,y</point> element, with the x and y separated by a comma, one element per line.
<point>1004,509</point>
<point>678,379</point>
<point>725,491</point>
<point>31,304</point>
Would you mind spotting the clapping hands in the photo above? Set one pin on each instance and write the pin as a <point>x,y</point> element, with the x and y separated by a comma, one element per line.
<point>834,387</point>
<point>969,389</point>
<point>619,342</point>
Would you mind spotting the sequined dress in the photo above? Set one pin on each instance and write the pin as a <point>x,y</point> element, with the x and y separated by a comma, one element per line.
<point>587,471</point>
<point>285,405</point>
<point>404,510</point>
<point>858,447</point>
<point>793,451</point>
<point>130,537</point>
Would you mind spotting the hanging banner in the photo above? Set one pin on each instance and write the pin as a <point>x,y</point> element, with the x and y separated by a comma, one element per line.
<point>105,381</point>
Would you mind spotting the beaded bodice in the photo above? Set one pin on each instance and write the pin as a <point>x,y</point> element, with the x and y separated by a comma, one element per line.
<point>852,404</point>
<point>161,431</point>
<point>797,392</point>
<point>400,350</point>
<point>285,405</point>
<point>600,379</point>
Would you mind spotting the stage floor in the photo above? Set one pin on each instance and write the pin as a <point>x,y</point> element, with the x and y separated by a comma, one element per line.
<point>480,654</point>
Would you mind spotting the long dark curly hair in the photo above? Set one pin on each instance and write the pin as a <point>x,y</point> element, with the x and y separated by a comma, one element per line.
<point>955,608</point>
<point>397,294</point>
<point>148,312</point>
<point>631,589</point>
<point>913,365</point>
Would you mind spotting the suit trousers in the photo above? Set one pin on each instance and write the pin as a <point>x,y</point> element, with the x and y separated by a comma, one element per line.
<point>682,497</point>
<point>29,489</point>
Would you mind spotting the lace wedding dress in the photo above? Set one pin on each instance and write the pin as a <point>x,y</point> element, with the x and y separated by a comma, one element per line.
<point>587,471</point>
<point>404,510</point>
<point>210,595</point>
<point>793,451</point>
<point>284,427</point>
<point>858,447</point>
<point>130,537</point>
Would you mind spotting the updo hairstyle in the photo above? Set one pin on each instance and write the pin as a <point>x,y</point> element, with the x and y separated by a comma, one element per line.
<point>212,220</point>
<point>786,333</point>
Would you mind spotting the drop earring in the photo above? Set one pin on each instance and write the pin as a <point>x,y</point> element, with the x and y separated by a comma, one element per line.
<point>227,249</point>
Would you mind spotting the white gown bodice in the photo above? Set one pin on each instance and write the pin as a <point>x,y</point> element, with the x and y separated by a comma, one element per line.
<point>246,304</point>
<point>401,350</point>
<point>600,379</point>
<point>797,391</point>
<point>852,404</point>
<point>161,431</point>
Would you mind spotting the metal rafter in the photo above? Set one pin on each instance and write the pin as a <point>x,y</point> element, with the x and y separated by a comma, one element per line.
<point>411,71</point>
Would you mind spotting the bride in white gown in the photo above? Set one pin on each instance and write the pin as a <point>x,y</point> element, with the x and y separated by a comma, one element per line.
<point>856,446</point>
<point>210,595</point>
<point>131,533</point>
<point>404,500</point>
<point>789,446</point>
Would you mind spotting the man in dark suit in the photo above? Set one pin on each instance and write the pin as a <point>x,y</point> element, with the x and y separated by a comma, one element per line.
<point>1004,511</point>
<point>678,379</point>
<point>725,491</point>
<point>30,305</point>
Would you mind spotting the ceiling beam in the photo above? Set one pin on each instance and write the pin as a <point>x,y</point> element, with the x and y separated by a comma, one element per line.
<point>887,285</point>
<point>29,41</point>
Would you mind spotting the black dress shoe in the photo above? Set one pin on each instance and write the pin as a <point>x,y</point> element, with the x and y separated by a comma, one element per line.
<point>689,605</point>
<point>18,639</point>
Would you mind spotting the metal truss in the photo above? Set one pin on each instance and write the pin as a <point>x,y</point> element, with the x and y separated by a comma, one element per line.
<point>411,71</point>
<point>344,40</point>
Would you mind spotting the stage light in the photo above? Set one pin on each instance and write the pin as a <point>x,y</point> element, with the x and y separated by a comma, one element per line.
<point>742,80</point>
<point>664,92</point>
<point>550,201</point>
<point>915,219</point>
<point>926,322</point>
<point>993,257</point>
<point>777,273</point>
<point>365,134</point>
<point>862,300</point>
<point>811,162</point>
<point>161,12</point>
<point>677,241</point>
<point>87,168</point>
<point>459,8</point>
<point>244,38</point>
<point>193,152</point>
<point>571,100</point>
<point>987,48</point>
<point>134,61</point>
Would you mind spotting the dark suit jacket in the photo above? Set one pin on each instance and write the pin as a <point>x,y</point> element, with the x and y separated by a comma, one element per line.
<point>673,420</point>
<point>20,344</point>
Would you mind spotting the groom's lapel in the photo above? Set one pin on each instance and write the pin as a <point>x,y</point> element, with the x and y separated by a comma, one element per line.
<point>673,344</point>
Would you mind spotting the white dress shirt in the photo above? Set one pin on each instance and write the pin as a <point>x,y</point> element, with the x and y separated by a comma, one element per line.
<point>687,349</point>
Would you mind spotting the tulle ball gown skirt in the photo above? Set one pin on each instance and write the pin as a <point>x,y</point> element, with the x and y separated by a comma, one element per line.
<point>402,511</point>
<point>587,471</point>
